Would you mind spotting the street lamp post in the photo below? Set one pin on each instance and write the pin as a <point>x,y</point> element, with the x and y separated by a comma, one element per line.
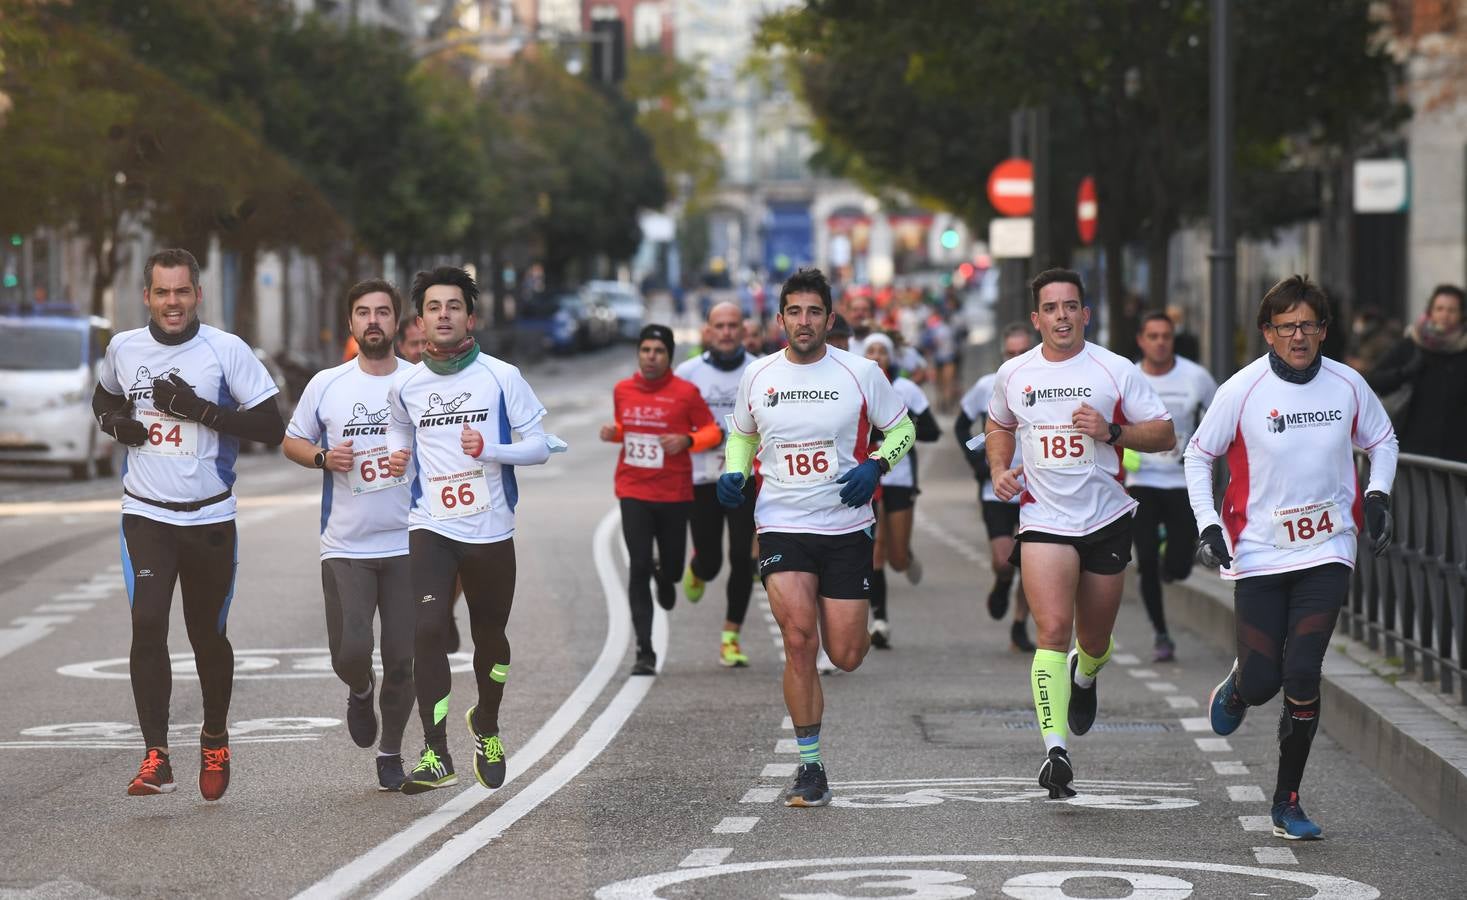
<point>1222,259</point>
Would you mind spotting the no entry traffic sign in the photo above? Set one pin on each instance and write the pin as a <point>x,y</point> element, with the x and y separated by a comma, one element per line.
<point>1011,187</point>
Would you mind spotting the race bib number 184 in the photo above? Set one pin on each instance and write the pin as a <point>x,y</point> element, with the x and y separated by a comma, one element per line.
<point>1305,526</point>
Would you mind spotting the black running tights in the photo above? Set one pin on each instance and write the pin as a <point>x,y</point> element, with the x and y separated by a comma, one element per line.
<point>1170,508</point>
<point>643,523</point>
<point>488,573</point>
<point>706,526</point>
<point>155,557</point>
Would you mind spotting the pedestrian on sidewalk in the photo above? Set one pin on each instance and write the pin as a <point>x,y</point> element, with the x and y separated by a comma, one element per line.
<point>1426,377</point>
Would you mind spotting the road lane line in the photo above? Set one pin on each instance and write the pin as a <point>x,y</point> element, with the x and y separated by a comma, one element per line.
<point>1245,793</point>
<point>736,825</point>
<point>1161,687</point>
<point>787,745</point>
<point>63,607</point>
<point>1213,745</point>
<point>1256,823</point>
<point>357,872</point>
<point>1275,856</point>
<point>1141,673</point>
<point>787,724</point>
<point>1126,659</point>
<point>1177,701</point>
<point>1229,767</point>
<point>1201,723</point>
<point>707,856</point>
<point>779,770</point>
<point>761,795</point>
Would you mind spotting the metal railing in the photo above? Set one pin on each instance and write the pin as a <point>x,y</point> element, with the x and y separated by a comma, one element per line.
<point>1411,603</point>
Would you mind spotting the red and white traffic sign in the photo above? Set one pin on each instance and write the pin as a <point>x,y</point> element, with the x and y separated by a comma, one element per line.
<point>1086,209</point>
<point>1011,187</point>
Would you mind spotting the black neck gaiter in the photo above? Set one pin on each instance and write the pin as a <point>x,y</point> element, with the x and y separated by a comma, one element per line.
<point>1291,374</point>
<point>173,340</point>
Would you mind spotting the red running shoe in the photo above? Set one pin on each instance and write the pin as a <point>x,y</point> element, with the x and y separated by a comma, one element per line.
<point>214,768</point>
<point>154,776</point>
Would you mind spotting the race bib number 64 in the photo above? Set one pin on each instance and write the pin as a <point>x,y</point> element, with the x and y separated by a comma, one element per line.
<point>168,436</point>
<point>458,494</point>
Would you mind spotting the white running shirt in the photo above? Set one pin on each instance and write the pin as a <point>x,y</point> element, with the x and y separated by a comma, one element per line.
<point>1072,481</point>
<point>455,495</point>
<point>719,389</point>
<point>1292,501</point>
<point>1187,391</point>
<point>814,423</point>
<point>183,461</point>
<point>364,511</point>
<point>975,407</point>
<point>904,473</point>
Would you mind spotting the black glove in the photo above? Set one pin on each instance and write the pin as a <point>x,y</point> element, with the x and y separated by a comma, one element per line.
<point>174,396</point>
<point>1212,549</point>
<point>1378,521</point>
<point>121,426</point>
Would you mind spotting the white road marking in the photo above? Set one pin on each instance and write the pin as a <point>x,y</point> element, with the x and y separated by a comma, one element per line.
<point>1126,659</point>
<point>42,621</point>
<point>77,596</point>
<point>775,630</point>
<point>63,607</point>
<point>1201,723</point>
<point>1275,856</point>
<point>736,825</point>
<point>1245,793</point>
<point>1213,745</point>
<point>1256,823</point>
<point>1229,767</point>
<point>357,872</point>
<point>1162,687</point>
<point>708,856</point>
<point>1177,701</point>
<point>787,724</point>
<point>779,770</point>
<point>761,795</point>
<point>1141,673</point>
<point>647,887</point>
<point>786,745</point>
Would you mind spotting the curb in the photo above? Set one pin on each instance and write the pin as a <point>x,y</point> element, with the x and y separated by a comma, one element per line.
<point>1417,750</point>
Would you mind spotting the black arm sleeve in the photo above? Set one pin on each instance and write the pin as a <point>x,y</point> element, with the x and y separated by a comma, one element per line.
<point>927,430</point>
<point>104,402</point>
<point>978,461</point>
<point>261,422</point>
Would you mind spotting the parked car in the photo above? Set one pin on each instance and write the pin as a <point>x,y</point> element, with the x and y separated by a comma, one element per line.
<point>566,322</point>
<point>625,304</point>
<point>49,359</point>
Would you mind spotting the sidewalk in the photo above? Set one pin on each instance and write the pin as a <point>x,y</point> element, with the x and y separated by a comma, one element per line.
<point>1411,734</point>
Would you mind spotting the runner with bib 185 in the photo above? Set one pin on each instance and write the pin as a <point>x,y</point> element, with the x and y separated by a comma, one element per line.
<point>1074,406</point>
<point>1292,517</point>
<point>455,414</point>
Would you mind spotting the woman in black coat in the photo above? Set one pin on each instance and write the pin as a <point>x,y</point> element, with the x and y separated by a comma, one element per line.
<point>1433,360</point>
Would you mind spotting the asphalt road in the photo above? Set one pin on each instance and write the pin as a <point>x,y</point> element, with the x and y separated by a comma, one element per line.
<point>631,788</point>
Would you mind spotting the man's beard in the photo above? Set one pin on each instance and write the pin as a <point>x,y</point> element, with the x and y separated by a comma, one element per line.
<point>379,350</point>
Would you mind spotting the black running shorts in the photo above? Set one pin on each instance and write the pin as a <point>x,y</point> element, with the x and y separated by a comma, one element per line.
<point>1001,519</point>
<point>896,499</point>
<point>1104,552</point>
<point>842,561</point>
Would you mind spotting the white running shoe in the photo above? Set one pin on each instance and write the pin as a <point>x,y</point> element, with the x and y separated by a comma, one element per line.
<point>914,570</point>
<point>823,665</point>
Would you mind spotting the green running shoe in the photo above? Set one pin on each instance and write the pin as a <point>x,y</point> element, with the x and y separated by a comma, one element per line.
<point>488,755</point>
<point>431,772</point>
<point>731,656</point>
<point>693,586</point>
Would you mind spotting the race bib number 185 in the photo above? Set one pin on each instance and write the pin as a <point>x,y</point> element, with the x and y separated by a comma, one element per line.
<point>1059,447</point>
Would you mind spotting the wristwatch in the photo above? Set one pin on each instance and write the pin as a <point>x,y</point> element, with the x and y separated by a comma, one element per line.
<point>881,463</point>
<point>1115,433</point>
<point>320,460</point>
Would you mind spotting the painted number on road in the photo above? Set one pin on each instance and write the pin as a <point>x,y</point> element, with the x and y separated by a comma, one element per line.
<point>307,662</point>
<point>916,884</point>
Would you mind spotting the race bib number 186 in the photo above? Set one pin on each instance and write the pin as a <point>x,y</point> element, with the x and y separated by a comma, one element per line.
<point>806,462</point>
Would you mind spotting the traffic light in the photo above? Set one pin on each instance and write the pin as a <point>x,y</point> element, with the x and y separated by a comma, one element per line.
<point>16,240</point>
<point>950,239</point>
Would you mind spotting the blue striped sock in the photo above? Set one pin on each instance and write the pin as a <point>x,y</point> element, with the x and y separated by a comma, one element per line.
<point>809,749</point>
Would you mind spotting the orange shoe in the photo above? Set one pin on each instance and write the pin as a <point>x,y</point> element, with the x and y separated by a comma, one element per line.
<point>214,769</point>
<point>155,776</point>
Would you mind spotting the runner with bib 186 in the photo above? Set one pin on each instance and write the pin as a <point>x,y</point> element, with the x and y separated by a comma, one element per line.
<point>1074,406</point>
<point>181,395</point>
<point>455,414</point>
<point>1292,517</point>
<point>808,412</point>
<point>340,427</point>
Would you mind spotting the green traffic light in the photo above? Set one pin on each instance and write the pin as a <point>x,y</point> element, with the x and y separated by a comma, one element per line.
<point>16,240</point>
<point>950,239</point>
<point>11,281</point>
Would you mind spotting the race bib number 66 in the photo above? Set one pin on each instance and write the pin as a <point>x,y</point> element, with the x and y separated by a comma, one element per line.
<point>458,494</point>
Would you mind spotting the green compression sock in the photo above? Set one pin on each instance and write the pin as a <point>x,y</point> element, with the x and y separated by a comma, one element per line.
<point>1051,682</point>
<point>1087,667</point>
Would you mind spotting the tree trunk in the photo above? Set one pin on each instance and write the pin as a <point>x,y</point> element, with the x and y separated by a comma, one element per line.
<point>1115,288</point>
<point>246,311</point>
<point>1158,240</point>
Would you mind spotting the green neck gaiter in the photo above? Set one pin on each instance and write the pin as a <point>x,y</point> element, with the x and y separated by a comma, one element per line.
<point>452,361</point>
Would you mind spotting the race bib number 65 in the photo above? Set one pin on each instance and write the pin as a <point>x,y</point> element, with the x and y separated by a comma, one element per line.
<point>1059,447</point>
<point>370,471</point>
<point>168,436</point>
<point>458,494</point>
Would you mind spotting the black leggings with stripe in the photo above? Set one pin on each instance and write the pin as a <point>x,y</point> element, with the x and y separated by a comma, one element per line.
<point>487,572</point>
<point>155,557</point>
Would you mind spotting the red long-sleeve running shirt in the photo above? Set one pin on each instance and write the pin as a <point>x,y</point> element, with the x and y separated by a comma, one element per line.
<point>646,409</point>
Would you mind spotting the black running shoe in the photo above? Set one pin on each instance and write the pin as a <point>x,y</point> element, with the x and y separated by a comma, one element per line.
<point>361,717</point>
<point>1056,773</point>
<point>998,599</point>
<point>1083,701</point>
<point>666,593</point>
<point>434,770</point>
<point>646,663</point>
<point>810,787</point>
<point>1019,635</point>
<point>489,765</point>
<point>390,775</point>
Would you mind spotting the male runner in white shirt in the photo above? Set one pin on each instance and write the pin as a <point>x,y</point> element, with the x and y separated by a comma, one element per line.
<point>716,373</point>
<point>196,391</point>
<point>455,414</point>
<point>1075,406</point>
<point>1292,516</point>
<point>340,427</point>
<point>1157,480</point>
